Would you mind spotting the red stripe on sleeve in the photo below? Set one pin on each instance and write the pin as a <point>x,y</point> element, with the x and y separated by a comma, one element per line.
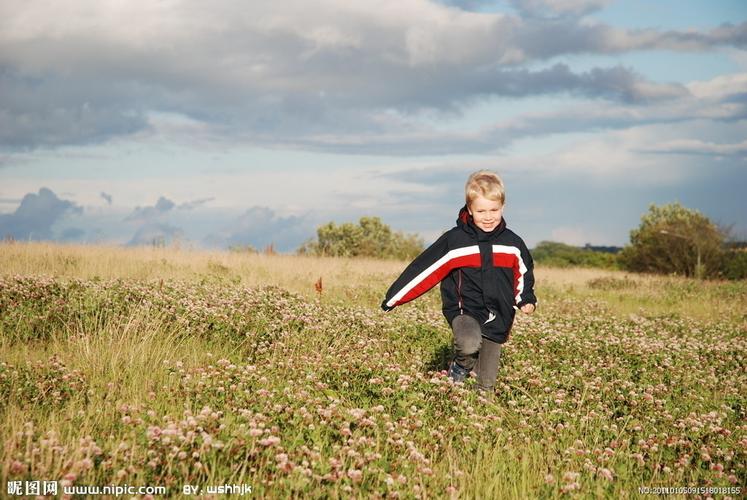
<point>436,276</point>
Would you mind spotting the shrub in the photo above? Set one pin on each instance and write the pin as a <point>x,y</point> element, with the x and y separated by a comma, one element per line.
<point>735,265</point>
<point>369,238</point>
<point>675,239</point>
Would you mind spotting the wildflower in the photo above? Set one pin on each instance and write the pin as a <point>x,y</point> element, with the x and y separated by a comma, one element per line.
<point>355,475</point>
<point>269,441</point>
<point>570,476</point>
<point>17,468</point>
<point>85,464</point>
<point>605,473</point>
<point>570,487</point>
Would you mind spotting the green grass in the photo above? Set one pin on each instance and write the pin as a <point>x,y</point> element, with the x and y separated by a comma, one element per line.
<point>613,384</point>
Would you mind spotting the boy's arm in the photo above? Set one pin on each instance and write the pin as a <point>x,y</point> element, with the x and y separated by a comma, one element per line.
<point>428,268</point>
<point>526,296</point>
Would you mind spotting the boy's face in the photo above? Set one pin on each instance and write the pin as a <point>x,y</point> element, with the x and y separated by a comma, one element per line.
<point>486,214</point>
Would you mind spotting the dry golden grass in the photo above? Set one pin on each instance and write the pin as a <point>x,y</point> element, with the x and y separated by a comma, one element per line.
<point>362,279</point>
<point>295,273</point>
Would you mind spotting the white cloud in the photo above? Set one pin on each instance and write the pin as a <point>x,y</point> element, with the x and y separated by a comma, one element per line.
<point>720,87</point>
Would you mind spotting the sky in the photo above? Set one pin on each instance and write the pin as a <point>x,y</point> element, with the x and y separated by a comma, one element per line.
<point>229,123</point>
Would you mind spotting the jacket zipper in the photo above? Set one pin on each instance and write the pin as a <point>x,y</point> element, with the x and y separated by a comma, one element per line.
<point>459,292</point>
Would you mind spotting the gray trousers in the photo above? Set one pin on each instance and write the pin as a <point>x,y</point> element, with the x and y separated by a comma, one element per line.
<point>475,352</point>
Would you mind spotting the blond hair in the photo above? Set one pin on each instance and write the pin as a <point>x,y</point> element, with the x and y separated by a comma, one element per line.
<point>484,183</point>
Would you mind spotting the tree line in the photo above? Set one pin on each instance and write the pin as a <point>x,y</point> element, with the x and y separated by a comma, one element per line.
<point>671,239</point>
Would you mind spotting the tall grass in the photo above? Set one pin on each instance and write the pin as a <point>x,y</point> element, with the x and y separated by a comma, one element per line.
<point>168,367</point>
<point>295,273</point>
<point>364,280</point>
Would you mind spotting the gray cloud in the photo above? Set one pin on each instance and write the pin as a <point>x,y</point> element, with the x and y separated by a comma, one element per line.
<point>56,109</point>
<point>35,216</point>
<point>106,197</point>
<point>260,227</point>
<point>468,5</point>
<point>72,234</point>
<point>700,148</point>
<point>148,214</point>
<point>558,8</point>
<point>300,73</point>
<point>191,205</point>
<point>717,100</point>
<point>157,234</point>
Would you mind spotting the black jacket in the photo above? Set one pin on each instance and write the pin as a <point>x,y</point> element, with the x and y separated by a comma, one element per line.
<point>485,275</point>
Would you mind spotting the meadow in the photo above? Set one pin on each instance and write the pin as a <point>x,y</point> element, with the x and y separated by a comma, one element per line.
<point>170,367</point>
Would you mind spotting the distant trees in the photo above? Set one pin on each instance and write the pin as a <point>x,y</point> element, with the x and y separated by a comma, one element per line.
<point>675,239</point>
<point>670,239</point>
<point>369,238</point>
<point>551,253</point>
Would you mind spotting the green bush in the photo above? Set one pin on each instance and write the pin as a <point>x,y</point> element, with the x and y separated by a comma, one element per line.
<point>735,265</point>
<point>369,238</point>
<point>675,239</point>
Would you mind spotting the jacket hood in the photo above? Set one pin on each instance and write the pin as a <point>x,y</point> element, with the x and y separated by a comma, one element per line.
<point>464,221</point>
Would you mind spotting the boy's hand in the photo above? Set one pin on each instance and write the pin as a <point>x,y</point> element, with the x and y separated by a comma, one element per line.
<point>528,308</point>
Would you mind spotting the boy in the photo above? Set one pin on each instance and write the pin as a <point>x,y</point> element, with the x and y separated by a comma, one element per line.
<point>486,273</point>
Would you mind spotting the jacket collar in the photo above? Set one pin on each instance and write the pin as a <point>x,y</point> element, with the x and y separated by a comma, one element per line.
<point>464,221</point>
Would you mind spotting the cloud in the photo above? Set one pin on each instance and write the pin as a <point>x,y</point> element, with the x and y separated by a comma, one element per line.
<point>35,216</point>
<point>53,109</point>
<point>717,100</point>
<point>72,234</point>
<point>698,147</point>
<point>157,234</point>
<point>468,5</point>
<point>147,214</point>
<point>558,8</point>
<point>295,73</point>
<point>191,205</point>
<point>260,227</point>
<point>153,230</point>
<point>107,197</point>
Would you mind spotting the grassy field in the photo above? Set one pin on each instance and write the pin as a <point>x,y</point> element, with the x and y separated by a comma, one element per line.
<point>165,367</point>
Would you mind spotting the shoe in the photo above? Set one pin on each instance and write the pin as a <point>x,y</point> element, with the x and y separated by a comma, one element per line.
<point>457,372</point>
